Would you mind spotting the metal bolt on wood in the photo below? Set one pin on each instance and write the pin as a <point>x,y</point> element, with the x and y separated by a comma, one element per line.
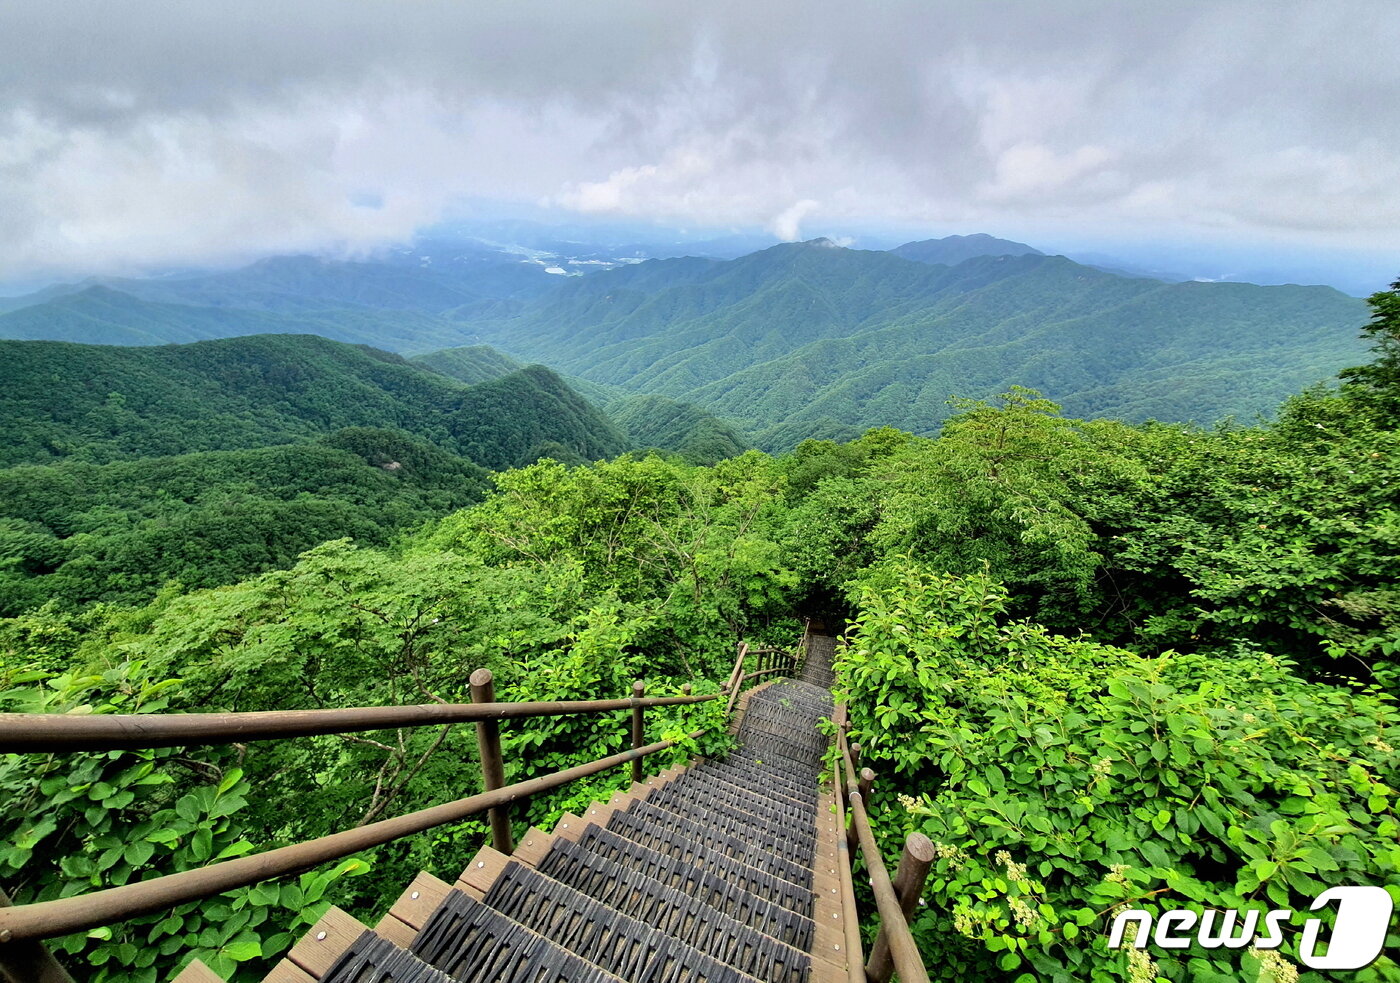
<point>493,769</point>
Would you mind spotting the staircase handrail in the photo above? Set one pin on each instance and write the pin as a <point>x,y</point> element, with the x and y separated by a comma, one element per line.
<point>895,949</point>
<point>29,733</point>
<point>21,926</point>
<point>64,916</point>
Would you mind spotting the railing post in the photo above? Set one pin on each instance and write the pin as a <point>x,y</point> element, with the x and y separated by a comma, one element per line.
<point>493,769</point>
<point>28,961</point>
<point>639,690</point>
<point>914,864</point>
<point>735,679</point>
<point>867,781</point>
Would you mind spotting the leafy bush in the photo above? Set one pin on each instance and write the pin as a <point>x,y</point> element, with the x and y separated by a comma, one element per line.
<point>77,823</point>
<point>1063,780</point>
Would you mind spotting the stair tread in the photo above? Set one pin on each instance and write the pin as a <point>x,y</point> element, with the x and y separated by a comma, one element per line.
<point>627,945</point>
<point>473,943</point>
<point>677,872</point>
<point>781,849</point>
<point>635,893</point>
<point>685,838</point>
<point>373,959</point>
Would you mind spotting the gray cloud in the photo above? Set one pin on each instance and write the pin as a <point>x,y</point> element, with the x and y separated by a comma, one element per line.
<point>140,133</point>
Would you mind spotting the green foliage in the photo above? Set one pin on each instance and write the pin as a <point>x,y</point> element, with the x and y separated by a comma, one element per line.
<point>82,822</point>
<point>1280,536</point>
<point>101,404</point>
<point>697,436</point>
<point>1379,379</point>
<point>1060,779</point>
<point>79,532</point>
<point>691,544</point>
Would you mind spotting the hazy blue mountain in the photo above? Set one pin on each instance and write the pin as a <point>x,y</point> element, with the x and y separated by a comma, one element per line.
<point>799,334</point>
<point>103,316</point>
<point>952,250</point>
<point>412,281</point>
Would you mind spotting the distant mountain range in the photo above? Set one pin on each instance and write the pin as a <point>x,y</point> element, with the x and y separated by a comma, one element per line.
<point>801,339</point>
<point>952,250</point>
<point>813,338</point>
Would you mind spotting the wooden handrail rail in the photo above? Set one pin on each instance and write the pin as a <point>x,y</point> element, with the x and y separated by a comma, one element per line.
<point>763,672</point>
<point>855,959</point>
<point>895,944</point>
<point>51,919</point>
<point>895,928</point>
<point>48,733</point>
<point>22,733</point>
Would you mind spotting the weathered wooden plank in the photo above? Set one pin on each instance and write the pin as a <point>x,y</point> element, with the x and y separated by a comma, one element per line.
<point>324,943</point>
<point>197,972</point>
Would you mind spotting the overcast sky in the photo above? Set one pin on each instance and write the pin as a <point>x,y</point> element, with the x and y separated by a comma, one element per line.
<point>136,134</point>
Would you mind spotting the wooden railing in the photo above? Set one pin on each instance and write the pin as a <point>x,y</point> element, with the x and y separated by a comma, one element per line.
<point>23,958</point>
<point>894,950</point>
<point>765,661</point>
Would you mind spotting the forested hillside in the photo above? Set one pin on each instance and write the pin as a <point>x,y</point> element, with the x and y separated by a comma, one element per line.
<point>804,333</point>
<point>469,363</point>
<point>104,316</point>
<point>77,532</point>
<point>131,468</point>
<point>655,421</point>
<point>100,404</point>
<point>1100,664</point>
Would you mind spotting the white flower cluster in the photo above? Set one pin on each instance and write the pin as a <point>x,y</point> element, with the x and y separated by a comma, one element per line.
<point>1141,968</point>
<point>955,855</point>
<point>1273,968</point>
<point>1025,915</point>
<point>1014,871</point>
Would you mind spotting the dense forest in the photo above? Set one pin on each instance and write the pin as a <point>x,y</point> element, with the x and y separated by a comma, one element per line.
<point>1098,663</point>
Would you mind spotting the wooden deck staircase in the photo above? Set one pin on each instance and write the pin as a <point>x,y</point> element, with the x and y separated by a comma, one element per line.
<point>722,871</point>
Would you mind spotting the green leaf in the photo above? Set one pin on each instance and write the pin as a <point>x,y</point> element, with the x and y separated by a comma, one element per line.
<point>138,852</point>
<point>243,950</point>
<point>202,845</point>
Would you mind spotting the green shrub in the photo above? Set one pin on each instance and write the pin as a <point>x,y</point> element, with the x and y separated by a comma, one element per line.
<point>1062,780</point>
